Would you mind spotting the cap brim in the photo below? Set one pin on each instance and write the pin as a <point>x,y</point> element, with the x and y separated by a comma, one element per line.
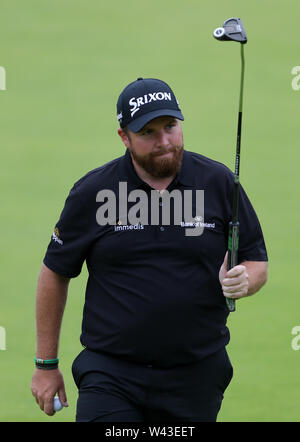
<point>139,123</point>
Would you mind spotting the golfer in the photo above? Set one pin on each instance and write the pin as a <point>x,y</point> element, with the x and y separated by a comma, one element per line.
<point>154,331</point>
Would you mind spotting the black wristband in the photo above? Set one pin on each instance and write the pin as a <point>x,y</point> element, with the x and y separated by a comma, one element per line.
<point>46,367</point>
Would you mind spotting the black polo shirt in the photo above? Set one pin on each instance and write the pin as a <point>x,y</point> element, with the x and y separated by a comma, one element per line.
<point>153,294</point>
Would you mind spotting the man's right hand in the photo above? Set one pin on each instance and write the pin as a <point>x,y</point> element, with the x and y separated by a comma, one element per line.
<point>44,386</point>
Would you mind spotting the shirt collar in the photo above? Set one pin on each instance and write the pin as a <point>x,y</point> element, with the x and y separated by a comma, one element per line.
<point>186,175</point>
<point>128,173</point>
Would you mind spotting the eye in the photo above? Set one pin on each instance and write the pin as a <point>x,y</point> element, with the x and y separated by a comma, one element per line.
<point>170,126</point>
<point>147,132</point>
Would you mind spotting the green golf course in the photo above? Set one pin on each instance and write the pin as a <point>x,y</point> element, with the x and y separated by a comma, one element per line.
<point>65,64</point>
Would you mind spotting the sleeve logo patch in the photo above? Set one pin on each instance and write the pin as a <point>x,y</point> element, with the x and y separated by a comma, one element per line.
<point>55,236</point>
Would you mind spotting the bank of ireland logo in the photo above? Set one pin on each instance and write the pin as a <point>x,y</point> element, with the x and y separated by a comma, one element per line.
<point>198,223</point>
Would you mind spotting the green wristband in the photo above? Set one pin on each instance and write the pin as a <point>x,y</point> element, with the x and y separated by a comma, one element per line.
<point>46,361</point>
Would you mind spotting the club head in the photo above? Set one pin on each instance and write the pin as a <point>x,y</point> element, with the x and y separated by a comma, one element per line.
<point>232,30</point>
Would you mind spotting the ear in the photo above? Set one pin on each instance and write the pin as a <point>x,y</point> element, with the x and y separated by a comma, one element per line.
<point>124,137</point>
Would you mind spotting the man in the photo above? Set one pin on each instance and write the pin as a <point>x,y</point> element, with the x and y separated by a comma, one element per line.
<point>154,320</point>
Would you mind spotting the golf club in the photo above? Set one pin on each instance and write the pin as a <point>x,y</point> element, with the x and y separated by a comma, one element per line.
<point>233,30</point>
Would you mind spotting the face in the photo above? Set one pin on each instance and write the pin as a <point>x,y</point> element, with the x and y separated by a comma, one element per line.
<point>158,147</point>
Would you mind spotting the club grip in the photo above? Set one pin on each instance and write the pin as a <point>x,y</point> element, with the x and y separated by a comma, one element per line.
<point>233,247</point>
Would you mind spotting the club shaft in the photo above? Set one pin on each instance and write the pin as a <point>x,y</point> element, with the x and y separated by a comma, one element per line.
<point>242,78</point>
<point>233,237</point>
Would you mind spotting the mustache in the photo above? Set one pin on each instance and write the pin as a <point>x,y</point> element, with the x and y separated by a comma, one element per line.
<point>163,151</point>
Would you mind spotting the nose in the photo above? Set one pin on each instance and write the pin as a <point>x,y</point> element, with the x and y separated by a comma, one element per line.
<point>162,139</point>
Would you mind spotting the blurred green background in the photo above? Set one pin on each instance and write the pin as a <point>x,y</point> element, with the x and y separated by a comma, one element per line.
<point>66,62</point>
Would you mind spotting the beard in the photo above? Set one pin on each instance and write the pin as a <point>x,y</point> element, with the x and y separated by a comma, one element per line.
<point>158,166</point>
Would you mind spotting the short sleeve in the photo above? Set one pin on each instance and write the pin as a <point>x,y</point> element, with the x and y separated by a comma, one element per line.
<point>71,238</point>
<point>251,242</point>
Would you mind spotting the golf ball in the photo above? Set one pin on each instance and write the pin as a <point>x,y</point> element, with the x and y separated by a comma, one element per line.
<point>57,404</point>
